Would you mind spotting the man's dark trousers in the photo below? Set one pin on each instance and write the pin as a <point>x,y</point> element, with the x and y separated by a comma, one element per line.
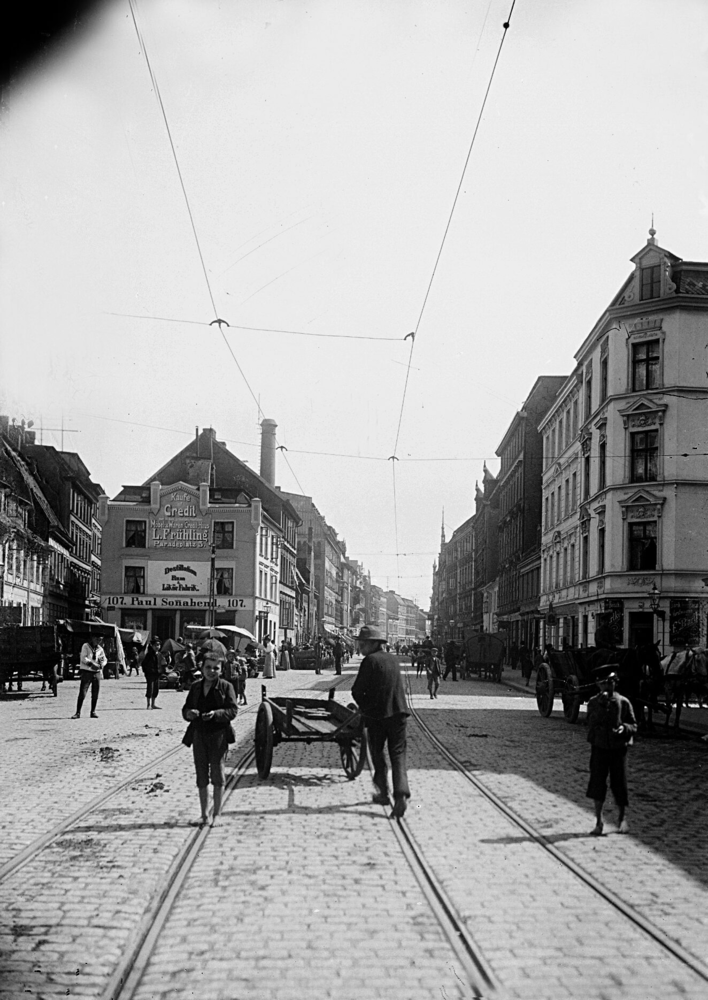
<point>450,667</point>
<point>392,731</point>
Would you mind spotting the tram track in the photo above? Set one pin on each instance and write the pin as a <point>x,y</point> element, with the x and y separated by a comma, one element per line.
<point>667,943</point>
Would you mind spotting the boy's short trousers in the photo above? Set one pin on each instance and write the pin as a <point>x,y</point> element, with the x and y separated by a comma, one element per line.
<point>209,751</point>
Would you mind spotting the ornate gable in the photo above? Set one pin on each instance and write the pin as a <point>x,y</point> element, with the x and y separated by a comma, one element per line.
<point>643,413</point>
<point>642,505</point>
<point>650,256</point>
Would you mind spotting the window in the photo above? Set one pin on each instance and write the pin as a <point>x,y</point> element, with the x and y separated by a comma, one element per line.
<point>584,546</point>
<point>644,456</point>
<point>651,282</point>
<point>135,532</point>
<point>553,507</point>
<point>575,416</point>
<point>565,567</point>
<point>586,476</point>
<point>574,490</point>
<point>571,567</point>
<point>223,534</point>
<point>642,545</point>
<point>545,575</point>
<point>560,509</point>
<point>646,359</point>
<point>603,378</point>
<point>134,580</point>
<point>602,466</point>
<point>558,569</point>
<point>546,516</point>
<point>588,394</point>
<point>224,581</point>
<point>601,549</point>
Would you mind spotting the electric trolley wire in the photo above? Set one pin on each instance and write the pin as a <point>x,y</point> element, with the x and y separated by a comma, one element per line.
<point>216,321</point>
<point>414,332</point>
<point>506,26</point>
<point>258,329</point>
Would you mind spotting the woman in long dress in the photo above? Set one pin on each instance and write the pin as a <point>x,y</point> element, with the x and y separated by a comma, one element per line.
<point>269,662</point>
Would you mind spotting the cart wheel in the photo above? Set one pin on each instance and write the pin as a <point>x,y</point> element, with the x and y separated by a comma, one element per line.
<point>545,690</point>
<point>353,753</point>
<point>264,739</point>
<point>571,698</point>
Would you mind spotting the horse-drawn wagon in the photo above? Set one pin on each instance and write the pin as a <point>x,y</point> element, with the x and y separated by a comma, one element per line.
<point>26,650</point>
<point>309,720</point>
<point>484,656</point>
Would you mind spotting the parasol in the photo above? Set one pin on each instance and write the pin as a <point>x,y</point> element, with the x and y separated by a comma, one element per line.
<point>213,646</point>
<point>170,646</point>
<point>208,632</point>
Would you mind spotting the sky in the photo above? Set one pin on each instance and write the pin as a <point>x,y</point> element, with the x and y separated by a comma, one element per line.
<point>321,146</point>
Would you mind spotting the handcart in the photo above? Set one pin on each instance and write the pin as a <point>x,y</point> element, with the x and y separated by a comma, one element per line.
<point>310,720</point>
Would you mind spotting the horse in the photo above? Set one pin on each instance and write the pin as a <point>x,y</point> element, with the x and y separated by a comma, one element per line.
<point>685,675</point>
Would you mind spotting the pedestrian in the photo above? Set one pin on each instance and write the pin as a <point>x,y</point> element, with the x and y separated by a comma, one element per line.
<point>338,654</point>
<point>379,693</point>
<point>450,660</point>
<point>92,660</point>
<point>229,670</point>
<point>242,676</point>
<point>611,729</point>
<point>134,661</point>
<point>269,661</point>
<point>284,658</point>
<point>151,669</point>
<point>433,672</point>
<point>187,667</point>
<point>209,709</point>
<point>526,663</point>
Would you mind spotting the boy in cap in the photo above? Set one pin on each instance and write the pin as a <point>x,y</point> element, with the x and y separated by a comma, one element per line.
<point>433,671</point>
<point>379,693</point>
<point>611,727</point>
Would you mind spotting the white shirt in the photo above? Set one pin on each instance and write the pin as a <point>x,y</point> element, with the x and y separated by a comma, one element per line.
<point>92,659</point>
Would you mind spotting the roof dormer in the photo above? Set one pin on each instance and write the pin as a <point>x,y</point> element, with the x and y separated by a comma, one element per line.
<point>652,276</point>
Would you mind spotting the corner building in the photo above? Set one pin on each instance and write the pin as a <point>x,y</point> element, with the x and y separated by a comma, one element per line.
<point>625,481</point>
<point>206,541</point>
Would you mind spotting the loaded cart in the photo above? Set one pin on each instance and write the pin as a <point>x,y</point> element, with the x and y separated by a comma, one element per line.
<point>485,656</point>
<point>310,720</point>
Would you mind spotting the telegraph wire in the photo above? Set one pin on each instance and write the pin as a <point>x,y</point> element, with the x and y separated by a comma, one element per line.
<point>216,321</point>
<point>506,26</point>
<point>257,329</point>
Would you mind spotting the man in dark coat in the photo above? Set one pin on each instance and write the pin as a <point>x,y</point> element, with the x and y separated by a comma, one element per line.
<point>611,727</point>
<point>450,655</point>
<point>379,693</point>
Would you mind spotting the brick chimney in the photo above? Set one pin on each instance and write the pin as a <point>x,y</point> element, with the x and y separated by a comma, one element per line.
<point>268,451</point>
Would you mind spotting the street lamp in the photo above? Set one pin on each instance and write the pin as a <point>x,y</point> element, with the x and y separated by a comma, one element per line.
<point>654,596</point>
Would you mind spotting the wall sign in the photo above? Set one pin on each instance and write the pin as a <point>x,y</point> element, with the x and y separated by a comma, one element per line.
<point>178,576</point>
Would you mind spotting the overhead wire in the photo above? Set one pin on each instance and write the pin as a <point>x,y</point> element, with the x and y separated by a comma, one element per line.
<point>414,333</point>
<point>256,329</point>
<point>217,320</point>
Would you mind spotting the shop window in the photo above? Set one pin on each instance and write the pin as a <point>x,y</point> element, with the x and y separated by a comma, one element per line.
<point>646,361</point>
<point>134,619</point>
<point>134,580</point>
<point>642,545</point>
<point>651,282</point>
<point>224,582</point>
<point>223,534</point>
<point>135,534</point>
<point>644,449</point>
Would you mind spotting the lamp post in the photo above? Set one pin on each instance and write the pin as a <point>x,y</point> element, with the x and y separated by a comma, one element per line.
<point>654,597</point>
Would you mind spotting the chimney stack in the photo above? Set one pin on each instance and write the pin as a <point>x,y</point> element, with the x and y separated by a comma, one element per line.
<point>268,451</point>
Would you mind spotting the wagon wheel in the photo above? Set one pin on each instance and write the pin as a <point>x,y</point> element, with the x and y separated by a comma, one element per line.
<point>571,698</point>
<point>264,739</point>
<point>354,753</point>
<point>545,690</point>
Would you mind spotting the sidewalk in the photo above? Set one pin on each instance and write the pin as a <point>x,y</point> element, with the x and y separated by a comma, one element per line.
<point>693,720</point>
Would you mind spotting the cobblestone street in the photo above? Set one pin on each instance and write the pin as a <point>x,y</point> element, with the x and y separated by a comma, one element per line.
<point>304,892</point>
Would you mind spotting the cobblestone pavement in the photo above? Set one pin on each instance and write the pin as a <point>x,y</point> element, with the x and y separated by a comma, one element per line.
<point>303,893</point>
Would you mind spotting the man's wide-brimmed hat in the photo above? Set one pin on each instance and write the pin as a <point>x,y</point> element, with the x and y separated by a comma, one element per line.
<point>605,672</point>
<point>371,633</point>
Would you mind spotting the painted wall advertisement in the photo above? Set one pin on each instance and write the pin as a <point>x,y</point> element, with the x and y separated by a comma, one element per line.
<point>178,576</point>
<point>178,525</point>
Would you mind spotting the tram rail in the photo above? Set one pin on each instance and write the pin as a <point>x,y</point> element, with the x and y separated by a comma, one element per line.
<point>667,943</point>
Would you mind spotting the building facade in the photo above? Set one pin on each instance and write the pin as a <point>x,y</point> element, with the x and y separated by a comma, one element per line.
<point>625,482</point>
<point>204,542</point>
<point>519,498</point>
